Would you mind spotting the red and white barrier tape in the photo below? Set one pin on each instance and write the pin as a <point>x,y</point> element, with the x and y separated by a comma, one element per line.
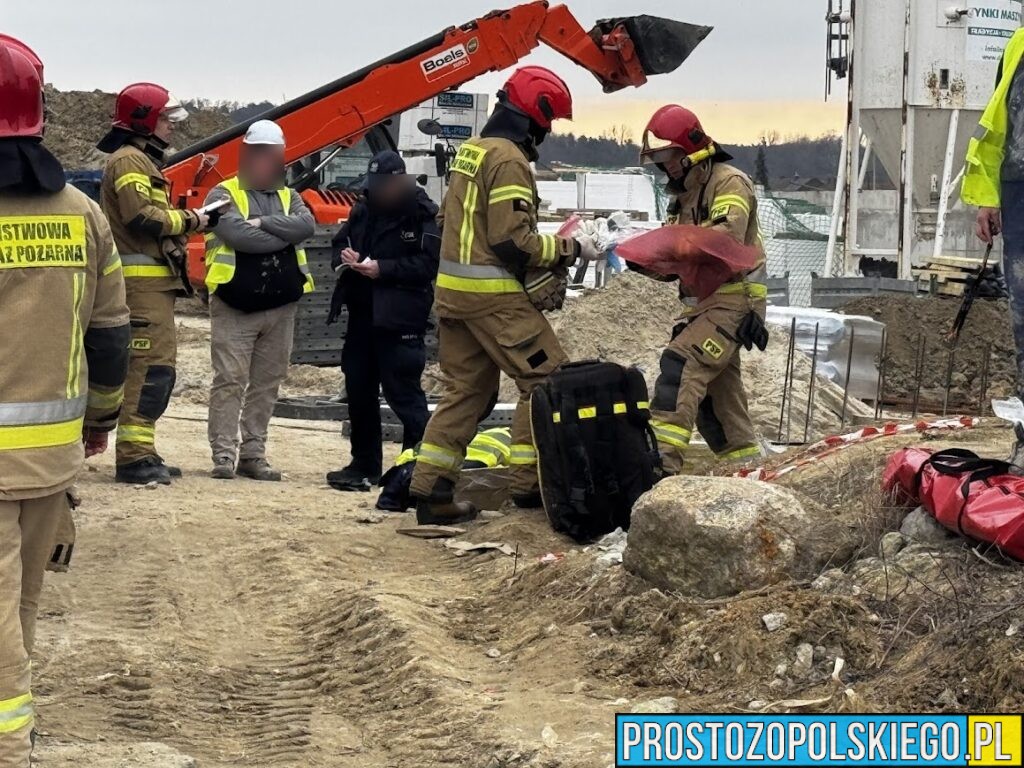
<point>832,445</point>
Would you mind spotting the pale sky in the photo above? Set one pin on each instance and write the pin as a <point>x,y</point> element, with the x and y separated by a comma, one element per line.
<point>761,69</point>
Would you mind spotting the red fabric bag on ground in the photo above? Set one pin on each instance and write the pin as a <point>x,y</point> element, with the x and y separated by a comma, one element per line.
<point>703,259</point>
<point>967,494</point>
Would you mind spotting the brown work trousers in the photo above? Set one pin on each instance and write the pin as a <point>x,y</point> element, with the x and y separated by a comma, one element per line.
<point>27,531</point>
<point>151,371</point>
<point>701,384</point>
<point>250,352</point>
<point>516,340</point>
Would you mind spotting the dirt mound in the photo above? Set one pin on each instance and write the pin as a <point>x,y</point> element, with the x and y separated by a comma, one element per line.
<point>629,321</point>
<point>909,320</point>
<point>76,120</point>
<point>933,629</point>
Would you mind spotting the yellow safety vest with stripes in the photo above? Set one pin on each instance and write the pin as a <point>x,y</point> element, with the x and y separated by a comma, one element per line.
<point>987,147</point>
<point>221,259</point>
<point>489,232</point>
<point>60,287</point>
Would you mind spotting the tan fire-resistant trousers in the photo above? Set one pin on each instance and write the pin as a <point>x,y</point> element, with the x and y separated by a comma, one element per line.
<point>151,371</point>
<point>250,352</point>
<point>516,340</point>
<point>701,385</point>
<point>27,530</point>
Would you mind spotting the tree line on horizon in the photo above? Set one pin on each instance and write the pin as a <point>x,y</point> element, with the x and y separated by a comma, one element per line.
<point>771,159</point>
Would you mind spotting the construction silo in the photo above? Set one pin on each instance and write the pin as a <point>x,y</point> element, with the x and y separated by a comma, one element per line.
<point>919,74</point>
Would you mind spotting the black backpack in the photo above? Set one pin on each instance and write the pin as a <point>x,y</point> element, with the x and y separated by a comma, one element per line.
<point>597,452</point>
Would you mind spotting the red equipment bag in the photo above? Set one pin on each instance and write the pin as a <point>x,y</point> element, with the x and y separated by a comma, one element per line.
<point>703,259</point>
<point>967,494</point>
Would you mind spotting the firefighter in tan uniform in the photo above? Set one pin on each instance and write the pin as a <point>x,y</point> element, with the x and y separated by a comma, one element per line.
<point>65,354</point>
<point>151,237</point>
<point>700,382</point>
<point>496,275</point>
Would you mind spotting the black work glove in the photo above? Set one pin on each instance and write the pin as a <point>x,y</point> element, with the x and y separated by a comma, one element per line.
<point>214,217</point>
<point>546,288</point>
<point>752,332</point>
<point>337,302</point>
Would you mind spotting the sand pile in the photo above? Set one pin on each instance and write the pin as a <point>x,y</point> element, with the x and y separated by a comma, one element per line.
<point>630,321</point>
<point>910,319</point>
<point>76,120</point>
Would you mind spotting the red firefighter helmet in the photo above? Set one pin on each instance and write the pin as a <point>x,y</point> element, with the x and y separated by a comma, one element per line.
<point>140,105</point>
<point>674,128</point>
<point>22,112</point>
<point>540,94</point>
<point>16,43</point>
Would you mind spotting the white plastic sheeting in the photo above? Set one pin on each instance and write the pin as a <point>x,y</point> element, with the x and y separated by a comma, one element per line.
<point>834,335</point>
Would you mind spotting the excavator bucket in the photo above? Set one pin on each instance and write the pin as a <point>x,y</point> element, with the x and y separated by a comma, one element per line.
<point>661,44</point>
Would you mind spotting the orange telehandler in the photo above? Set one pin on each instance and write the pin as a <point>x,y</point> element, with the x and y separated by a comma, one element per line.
<point>352,110</point>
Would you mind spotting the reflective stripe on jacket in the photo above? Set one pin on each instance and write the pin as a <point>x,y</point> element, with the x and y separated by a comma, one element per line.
<point>221,259</point>
<point>988,146</point>
<point>491,448</point>
<point>134,196</point>
<point>65,354</point>
<point>489,235</point>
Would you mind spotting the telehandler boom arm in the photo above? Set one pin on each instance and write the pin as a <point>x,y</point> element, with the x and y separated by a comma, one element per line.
<point>619,52</point>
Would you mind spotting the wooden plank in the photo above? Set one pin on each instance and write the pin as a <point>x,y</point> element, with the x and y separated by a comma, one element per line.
<point>956,261</point>
<point>943,277</point>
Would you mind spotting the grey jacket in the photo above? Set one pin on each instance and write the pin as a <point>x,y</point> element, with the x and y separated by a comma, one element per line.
<point>277,229</point>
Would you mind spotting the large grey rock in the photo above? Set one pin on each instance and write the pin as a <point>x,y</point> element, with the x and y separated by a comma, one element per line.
<point>716,536</point>
<point>891,544</point>
<point>921,527</point>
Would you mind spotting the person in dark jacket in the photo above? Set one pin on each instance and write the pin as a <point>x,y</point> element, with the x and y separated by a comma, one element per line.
<point>387,255</point>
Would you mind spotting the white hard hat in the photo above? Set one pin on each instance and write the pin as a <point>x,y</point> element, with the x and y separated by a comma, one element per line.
<point>173,109</point>
<point>264,132</point>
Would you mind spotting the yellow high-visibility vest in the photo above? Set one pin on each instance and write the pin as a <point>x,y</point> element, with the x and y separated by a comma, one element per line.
<point>220,258</point>
<point>988,146</point>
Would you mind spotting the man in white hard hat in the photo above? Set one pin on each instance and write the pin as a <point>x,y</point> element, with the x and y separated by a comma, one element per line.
<point>255,272</point>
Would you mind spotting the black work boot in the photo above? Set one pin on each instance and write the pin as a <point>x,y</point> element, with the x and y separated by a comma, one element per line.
<point>258,469</point>
<point>143,472</point>
<point>452,513</point>
<point>223,468</point>
<point>528,500</point>
<point>395,495</point>
<point>440,508</point>
<point>352,478</point>
<point>174,472</point>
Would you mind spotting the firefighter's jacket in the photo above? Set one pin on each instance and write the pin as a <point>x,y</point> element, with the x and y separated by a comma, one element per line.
<point>65,342</point>
<point>489,231</point>
<point>135,196</point>
<point>722,197</point>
